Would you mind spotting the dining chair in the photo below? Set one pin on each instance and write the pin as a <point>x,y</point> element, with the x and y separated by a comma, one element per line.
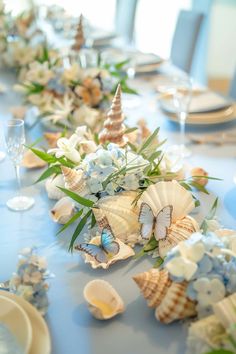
<point>232,89</point>
<point>185,39</point>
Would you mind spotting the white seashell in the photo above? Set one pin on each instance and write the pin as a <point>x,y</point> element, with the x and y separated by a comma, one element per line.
<point>158,195</point>
<point>121,215</point>
<point>103,300</point>
<point>52,184</point>
<point>63,210</point>
<point>74,180</point>
<point>124,253</point>
<point>30,160</point>
<point>225,310</point>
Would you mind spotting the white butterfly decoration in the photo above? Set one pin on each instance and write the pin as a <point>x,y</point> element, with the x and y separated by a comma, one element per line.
<point>155,224</point>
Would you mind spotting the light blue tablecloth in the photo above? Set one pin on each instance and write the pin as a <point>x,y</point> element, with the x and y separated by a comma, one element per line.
<point>72,328</point>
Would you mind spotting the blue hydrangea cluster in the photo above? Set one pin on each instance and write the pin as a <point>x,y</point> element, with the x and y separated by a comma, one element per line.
<point>29,279</point>
<point>123,168</point>
<point>209,267</point>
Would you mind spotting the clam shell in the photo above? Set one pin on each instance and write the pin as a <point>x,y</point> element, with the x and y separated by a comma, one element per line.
<point>180,230</point>
<point>52,184</point>
<point>74,180</point>
<point>175,305</point>
<point>161,194</point>
<point>63,210</point>
<point>30,160</point>
<point>103,300</point>
<point>153,285</point>
<point>121,215</point>
<point>225,311</point>
<point>124,253</point>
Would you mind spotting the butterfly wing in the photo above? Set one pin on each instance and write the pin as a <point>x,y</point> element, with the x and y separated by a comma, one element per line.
<point>163,222</point>
<point>108,242</point>
<point>146,218</point>
<point>94,251</point>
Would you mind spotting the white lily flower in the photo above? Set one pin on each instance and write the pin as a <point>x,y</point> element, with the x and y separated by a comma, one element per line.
<point>67,148</point>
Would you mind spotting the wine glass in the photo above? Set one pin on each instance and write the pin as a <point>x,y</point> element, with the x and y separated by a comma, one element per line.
<point>15,140</point>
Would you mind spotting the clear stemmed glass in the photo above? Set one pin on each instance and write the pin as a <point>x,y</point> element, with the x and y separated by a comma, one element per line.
<point>15,140</point>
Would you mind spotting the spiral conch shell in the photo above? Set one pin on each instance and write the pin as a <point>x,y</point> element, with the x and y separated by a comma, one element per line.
<point>63,210</point>
<point>121,215</point>
<point>114,129</point>
<point>30,160</point>
<point>74,180</point>
<point>52,184</point>
<point>161,194</point>
<point>79,40</point>
<point>169,298</point>
<point>124,252</point>
<point>103,300</point>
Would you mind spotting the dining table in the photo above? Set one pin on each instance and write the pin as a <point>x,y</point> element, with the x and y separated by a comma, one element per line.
<point>72,328</point>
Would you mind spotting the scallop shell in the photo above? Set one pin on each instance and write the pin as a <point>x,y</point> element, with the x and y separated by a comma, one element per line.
<point>121,215</point>
<point>52,184</point>
<point>124,253</point>
<point>103,300</point>
<point>225,311</point>
<point>180,230</point>
<point>63,210</point>
<point>175,305</point>
<point>153,284</point>
<point>158,195</point>
<point>74,180</point>
<point>30,160</point>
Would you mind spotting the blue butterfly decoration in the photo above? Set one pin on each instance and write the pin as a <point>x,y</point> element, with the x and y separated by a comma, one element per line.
<point>101,252</point>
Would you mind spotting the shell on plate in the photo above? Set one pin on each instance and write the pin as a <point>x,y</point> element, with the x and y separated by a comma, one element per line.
<point>63,210</point>
<point>30,160</point>
<point>121,215</point>
<point>52,138</point>
<point>153,285</point>
<point>74,180</point>
<point>225,311</point>
<point>175,305</point>
<point>124,252</point>
<point>52,184</point>
<point>169,298</point>
<point>103,300</point>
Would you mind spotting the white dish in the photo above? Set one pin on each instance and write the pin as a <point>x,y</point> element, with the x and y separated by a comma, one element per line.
<point>41,343</point>
<point>15,318</point>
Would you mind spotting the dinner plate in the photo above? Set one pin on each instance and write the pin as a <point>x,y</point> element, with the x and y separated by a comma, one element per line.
<point>41,343</point>
<point>216,117</point>
<point>15,318</point>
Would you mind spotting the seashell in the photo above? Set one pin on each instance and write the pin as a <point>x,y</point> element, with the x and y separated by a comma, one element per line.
<point>198,171</point>
<point>175,305</point>
<point>124,253</point>
<point>52,138</point>
<point>30,160</point>
<point>225,311</point>
<point>114,129</point>
<point>52,184</point>
<point>121,215</point>
<point>63,210</point>
<point>79,40</point>
<point>180,230</point>
<point>103,300</point>
<point>74,180</point>
<point>153,285</point>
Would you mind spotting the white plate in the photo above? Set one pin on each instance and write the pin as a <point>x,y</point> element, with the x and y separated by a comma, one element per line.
<point>41,343</point>
<point>222,116</point>
<point>15,318</point>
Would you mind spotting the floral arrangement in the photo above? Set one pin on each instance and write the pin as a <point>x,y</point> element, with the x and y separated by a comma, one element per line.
<point>29,279</point>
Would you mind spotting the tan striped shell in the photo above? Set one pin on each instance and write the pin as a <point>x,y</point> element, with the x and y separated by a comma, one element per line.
<point>74,180</point>
<point>153,285</point>
<point>175,305</point>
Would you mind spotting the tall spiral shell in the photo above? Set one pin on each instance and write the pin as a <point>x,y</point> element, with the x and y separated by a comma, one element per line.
<point>79,37</point>
<point>153,285</point>
<point>114,128</point>
<point>74,180</point>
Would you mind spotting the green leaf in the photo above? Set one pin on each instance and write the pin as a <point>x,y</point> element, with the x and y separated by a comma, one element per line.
<point>199,187</point>
<point>78,229</point>
<point>119,66</point>
<point>209,216</point>
<point>158,262</point>
<point>44,155</point>
<point>148,141</point>
<point>81,200</point>
<point>93,221</point>
<point>154,155</point>
<point>49,172</point>
<point>186,186</point>
<point>220,351</point>
<point>130,130</point>
<point>74,217</point>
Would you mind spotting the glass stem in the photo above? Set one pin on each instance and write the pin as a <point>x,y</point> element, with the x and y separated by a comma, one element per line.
<point>182,127</point>
<point>17,170</point>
